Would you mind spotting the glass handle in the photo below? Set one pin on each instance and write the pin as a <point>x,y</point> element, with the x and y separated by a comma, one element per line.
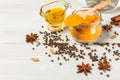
<point>41,11</point>
<point>67,5</point>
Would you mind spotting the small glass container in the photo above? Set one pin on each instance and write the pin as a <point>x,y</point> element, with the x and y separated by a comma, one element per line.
<point>109,7</point>
<point>54,14</point>
<point>88,31</point>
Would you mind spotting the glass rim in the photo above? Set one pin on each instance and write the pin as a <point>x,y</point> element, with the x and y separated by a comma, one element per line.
<point>66,5</point>
<point>87,8</point>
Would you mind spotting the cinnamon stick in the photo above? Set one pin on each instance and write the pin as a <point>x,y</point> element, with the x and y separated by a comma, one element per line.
<point>117,23</point>
<point>116,18</point>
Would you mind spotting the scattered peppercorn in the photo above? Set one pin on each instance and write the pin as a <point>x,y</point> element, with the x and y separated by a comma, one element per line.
<point>64,47</point>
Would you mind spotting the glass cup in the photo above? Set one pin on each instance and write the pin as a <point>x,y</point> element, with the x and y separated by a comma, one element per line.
<point>109,7</point>
<point>90,29</point>
<point>54,14</point>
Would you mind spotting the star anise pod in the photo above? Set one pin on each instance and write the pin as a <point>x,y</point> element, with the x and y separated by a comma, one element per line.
<point>104,65</point>
<point>31,38</point>
<point>86,68</point>
<point>107,27</point>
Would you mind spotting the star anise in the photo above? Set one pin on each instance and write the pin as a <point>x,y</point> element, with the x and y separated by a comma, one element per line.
<point>31,38</point>
<point>86,68</point>
<point>107,27</point>
<point>104,65</point>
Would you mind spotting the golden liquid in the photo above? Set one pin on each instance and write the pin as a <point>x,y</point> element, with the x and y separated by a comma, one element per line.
<point>55,16</point>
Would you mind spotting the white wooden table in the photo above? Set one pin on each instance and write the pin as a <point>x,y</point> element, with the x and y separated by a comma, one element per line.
<point>20,17</point>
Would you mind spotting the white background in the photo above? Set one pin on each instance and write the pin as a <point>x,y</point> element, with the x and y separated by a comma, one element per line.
<point>20,17</point>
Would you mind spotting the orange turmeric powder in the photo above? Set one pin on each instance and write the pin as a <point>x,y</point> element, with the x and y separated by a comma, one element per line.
<point>73,20</point>
<point>88,31</point>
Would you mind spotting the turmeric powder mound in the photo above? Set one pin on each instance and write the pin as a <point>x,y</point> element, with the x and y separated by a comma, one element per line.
<point>90,19</point>
<point>73,20</point>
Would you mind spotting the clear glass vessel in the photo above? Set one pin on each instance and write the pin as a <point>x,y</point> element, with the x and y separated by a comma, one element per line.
<point>109,7</point>
<point>90,29</point>
<point>54,14</point>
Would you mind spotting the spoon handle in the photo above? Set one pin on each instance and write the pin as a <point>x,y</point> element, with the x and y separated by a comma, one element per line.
<point>100,5</point>
<point>96,7</point>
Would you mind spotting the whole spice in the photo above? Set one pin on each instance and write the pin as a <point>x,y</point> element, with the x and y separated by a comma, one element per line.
<point>63,47</point>
<point>115,20</point>
<point>108,75</point>
<point>52,51</point>
<point>86,68</point>
<point>93,57</point>
<point>104,65</point>
<point>116,33</point>
<point>60,63</point>
<point>113,36</point>
<point>117,23</point>
<point>118,44</point>
<point>35,59</point>
<point>31,38</point>
<point>101,73</point>
<point>107,27</point>
<point>52,60</point>
<point>33,48</point>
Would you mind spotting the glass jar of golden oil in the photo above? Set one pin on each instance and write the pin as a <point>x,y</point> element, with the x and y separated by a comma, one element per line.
<point>54,14</point>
